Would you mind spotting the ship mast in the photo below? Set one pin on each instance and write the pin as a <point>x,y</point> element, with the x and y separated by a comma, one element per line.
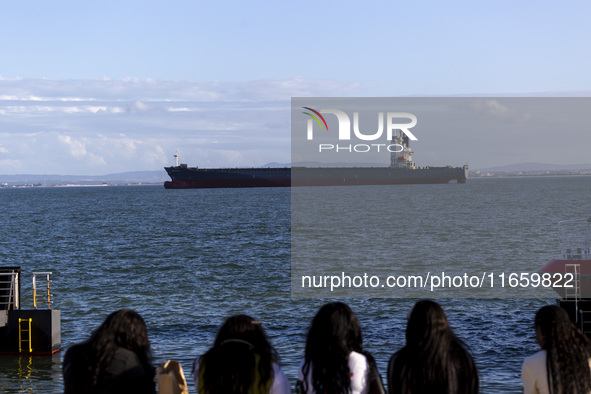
<point>176,159</point>
<point>401,157</point>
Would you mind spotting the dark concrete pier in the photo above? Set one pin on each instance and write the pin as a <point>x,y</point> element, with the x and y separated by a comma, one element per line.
<point>579,312</point>
<point>27,331</point>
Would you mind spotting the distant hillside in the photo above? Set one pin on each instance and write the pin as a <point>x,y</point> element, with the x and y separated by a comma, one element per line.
<point>527,167</point>
<point>276,165</point>
<point>111,179</point>
<point>532,169</point>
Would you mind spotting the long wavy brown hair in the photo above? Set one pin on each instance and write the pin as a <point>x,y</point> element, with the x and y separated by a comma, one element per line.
<point>240,361</point>
<point>567,351</point>
<point>434,359</point>
<point>124,328</point>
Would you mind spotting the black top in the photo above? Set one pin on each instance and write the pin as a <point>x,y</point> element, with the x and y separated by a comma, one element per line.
<point>124,374</point>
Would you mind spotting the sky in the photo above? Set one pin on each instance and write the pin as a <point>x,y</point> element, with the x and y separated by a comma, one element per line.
<point>99,88</point>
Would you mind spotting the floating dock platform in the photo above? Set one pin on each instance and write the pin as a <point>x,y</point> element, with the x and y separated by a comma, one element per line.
<point>35,331</point>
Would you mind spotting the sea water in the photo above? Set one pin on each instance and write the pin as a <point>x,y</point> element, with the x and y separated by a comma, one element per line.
<point>187,259</point>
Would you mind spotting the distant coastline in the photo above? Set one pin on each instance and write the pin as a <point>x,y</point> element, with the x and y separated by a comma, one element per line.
<point>119,179</point>
<point>7,186</point>
<point>528,174</point>
<point>158,177</point>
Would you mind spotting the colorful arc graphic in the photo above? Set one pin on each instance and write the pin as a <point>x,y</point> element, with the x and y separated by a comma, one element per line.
<point>315,118</point>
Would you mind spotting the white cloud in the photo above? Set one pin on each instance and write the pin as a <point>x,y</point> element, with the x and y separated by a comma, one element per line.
<point>496,109</point>
<point>96,160</point>
<point>234,158</point>
<point>94,110</point>
<point>8,165</point>
<point>111,126</point>
<point>146,90</point>
<point>117,145</point>
<point>155,156</point>
<point>77,148</point>
<point>141,107</point>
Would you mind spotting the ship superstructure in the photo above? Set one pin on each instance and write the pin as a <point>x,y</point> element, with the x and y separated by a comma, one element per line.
<point>402,157</point>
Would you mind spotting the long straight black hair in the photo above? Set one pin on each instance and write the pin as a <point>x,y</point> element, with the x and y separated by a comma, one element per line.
<point>333,335</point>
<point>567,351</point>
<point>240,361</point>
<point>434,359</point>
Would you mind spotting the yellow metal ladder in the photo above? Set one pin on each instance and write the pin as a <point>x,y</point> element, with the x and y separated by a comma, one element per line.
<point>26,330</point>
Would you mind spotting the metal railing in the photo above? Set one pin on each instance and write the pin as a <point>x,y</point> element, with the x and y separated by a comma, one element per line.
<point>575,238</point>
<point>585,322</point>
<point>574,293</point>
<point>46,289</point>
<point>11,300</point>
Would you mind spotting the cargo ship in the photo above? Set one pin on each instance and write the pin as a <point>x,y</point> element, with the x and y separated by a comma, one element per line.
<point>402,170</point>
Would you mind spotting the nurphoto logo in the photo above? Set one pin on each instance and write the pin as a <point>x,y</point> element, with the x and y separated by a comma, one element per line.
<point>393,128</point>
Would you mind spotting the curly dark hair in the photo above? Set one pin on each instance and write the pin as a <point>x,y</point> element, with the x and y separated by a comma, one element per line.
<point>333,335</point>
<point>240,361</point>
<point>567,351</point>
<point>434,359</point>
<point>86,364</point>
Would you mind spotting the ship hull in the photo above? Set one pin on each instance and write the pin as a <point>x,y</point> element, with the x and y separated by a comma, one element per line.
<point>563,266</point>
<point>224,183</point>
<point>191,178</point>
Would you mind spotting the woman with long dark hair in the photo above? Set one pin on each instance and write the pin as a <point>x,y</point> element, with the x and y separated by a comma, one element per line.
<point>116,358</point>
<point>563,364</point>
<point>241,361</point>
<point>334,362</point>
<point>433,360</point>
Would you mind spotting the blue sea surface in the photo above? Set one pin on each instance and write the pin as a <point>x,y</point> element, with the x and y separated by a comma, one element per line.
<point>187,259</point>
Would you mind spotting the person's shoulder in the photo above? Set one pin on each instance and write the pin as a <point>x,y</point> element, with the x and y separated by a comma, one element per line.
<point>357,360</point>
<point>195,367</point>
<point>75,352</point>
<point>536,357</point>
<point>76,347</point>
<point>396,358</point>
<point>280,382</point>
<point>125,361</point>
<point>301,369</point>
<point>124,353</point>
<point>75,367</point>
<point>129,356</point>
<point>534,365</point>
<point>357,356</point>
<point>302,362</point>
